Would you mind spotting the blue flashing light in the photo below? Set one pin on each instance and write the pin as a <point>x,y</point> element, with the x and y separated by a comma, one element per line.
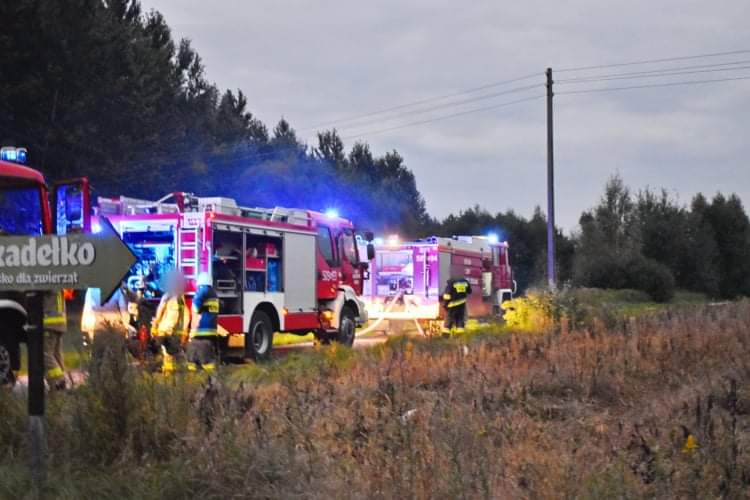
<point>16,155</point>
<point>493,238</point>
<point>332,213</point>
<point>378,241</point>
<point>8,154</point>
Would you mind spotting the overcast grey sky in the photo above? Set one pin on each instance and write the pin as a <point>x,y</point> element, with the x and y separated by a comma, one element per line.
<point>313,62</point>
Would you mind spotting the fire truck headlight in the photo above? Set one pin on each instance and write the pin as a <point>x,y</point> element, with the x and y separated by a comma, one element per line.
<point>96,228</point>
<point>393,240</point>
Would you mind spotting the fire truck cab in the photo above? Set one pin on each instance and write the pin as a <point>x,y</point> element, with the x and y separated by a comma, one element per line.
<point>27,208</point>
<point>274,269</point>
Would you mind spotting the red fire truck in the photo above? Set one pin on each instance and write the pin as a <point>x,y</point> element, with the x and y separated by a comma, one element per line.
<point>274,269</point>
<point>407,278</point>
<point>25,209</point>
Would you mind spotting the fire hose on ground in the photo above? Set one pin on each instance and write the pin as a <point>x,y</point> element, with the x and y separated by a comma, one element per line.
<point>386,311</point>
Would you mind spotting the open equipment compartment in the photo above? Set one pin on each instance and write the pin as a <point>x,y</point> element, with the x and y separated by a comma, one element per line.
<point>153,243</point>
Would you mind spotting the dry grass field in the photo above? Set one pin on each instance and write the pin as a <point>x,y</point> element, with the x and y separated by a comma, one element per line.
<point>656,406</point>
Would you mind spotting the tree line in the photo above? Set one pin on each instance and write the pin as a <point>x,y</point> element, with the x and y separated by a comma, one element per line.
<point>645,240</point>
<point>102,89</point>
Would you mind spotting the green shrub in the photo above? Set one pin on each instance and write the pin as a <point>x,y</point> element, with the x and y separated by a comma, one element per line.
<point>619,272</point>
<point>602,271</point>
<point>534,312</point>
<point>653,278</point>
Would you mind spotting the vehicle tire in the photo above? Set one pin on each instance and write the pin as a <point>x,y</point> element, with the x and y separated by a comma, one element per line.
<point>347,327</point>
<point>259,338</point>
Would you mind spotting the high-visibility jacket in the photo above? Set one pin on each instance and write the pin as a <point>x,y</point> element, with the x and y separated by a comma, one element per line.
<point>55,318</point>
<point>205,312</point>
<point>456,292</point>
<point>172,316</point>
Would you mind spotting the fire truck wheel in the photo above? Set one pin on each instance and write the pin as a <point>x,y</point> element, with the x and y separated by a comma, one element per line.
<point>259,340</point>
<point>347,327</point>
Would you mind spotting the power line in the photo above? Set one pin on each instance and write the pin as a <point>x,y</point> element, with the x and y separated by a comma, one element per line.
<point>652,85</point>
<point>654,72</point>
<point>279,150</point>
<point>449,105</point>
<point>653,61</point>
<point>421,101</point>
<point>660,75</point>
<point>444,117</point>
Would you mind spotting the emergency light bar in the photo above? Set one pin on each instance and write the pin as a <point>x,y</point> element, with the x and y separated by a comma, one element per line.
<point>16,155</point>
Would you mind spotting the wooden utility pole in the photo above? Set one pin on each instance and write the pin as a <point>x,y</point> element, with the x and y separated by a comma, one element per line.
<point>551,277</point>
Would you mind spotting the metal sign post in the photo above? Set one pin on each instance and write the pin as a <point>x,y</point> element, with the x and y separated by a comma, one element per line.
<point>42,264</point>
<point>35,347</point>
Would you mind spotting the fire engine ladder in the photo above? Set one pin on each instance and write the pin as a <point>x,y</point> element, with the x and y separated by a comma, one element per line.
<point>189,251</point>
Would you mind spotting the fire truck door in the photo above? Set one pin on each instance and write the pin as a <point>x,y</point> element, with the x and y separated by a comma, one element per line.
<point>328,265</point>
<point>350,273</point>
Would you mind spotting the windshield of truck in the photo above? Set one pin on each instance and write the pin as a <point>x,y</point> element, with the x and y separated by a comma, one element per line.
<point>349,247</point>
<point>20,211</point>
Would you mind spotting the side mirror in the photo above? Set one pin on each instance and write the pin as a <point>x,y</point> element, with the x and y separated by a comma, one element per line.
<point>369,236</point>
<point>71,206</point>
<point>370,251</point>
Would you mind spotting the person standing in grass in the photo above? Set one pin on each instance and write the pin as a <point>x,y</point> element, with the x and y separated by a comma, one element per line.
<point>172,322</point>
<point>55,326</point>
<point>455,295</point>
<point>202,349</point>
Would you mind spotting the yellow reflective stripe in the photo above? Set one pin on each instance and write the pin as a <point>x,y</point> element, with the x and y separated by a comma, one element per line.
<point>209,367</point>
<point>205,333</point>
<point>446,296</point>
<point>456,303</point>
<point>460,287</point>
<point>54,320</point>
<point>55,372</point>
<point>192,367</point>
<point>212,305</point>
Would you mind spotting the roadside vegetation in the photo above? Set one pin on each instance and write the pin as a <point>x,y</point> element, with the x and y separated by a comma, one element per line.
<point>654,405</point>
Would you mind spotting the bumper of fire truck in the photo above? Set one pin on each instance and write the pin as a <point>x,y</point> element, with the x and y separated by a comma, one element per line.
<point>363,317</point>
<point>409,308</point>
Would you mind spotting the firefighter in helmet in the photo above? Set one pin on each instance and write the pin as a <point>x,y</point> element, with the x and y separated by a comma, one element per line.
<point>55,325</point>
<point>454,299</point>
<point>172,321</point>
<point>202,350</point>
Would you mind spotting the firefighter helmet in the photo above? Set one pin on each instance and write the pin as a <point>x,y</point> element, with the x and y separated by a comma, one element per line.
<point>204,279</point>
